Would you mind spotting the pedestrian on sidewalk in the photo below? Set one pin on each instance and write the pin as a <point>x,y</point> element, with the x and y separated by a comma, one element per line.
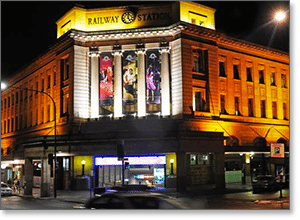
<point>16,185</point>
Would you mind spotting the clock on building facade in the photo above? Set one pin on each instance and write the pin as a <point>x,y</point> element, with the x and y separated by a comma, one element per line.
<point>128,17</point>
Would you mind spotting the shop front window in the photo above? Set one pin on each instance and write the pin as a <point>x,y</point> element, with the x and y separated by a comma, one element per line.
<point>200,159</point>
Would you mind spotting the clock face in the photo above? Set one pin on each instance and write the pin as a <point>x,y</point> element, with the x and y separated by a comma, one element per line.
<point>128,17</point>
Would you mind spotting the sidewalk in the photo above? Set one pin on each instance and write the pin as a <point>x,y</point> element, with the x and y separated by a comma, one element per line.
<point>232,191</point>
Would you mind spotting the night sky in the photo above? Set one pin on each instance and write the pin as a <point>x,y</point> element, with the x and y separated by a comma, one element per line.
<point>28,28</point>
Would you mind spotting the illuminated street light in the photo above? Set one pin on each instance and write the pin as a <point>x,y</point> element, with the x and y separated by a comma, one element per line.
<point>3,87</point>
<point>83,164</point>
<point>280,16</point>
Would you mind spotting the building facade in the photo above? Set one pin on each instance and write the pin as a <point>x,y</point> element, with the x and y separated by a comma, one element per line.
<point>188,105</point>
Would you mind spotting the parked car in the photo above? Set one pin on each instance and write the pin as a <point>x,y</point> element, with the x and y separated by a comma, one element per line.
<point>5,190</point>
<point>132,200</point>
<point>265,182</point>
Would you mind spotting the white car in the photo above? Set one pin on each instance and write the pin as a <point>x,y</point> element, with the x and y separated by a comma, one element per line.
<point>5,190</point>
<point>132,200</point>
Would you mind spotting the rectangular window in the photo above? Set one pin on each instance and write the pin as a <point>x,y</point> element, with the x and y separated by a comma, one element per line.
<point>26,91</point>
<point>17,97</point>
<point>236,74</point>
<point>36,87</point>
<point>48,113</point>
<point>36,117</point>
<point>21,122</point>
<point>64,68</point>
<point>272,78</point>
<point>222,71</point>
<point>25,121</point>
<point>283,81</point>
<point>21,96</point>
<point>1,105</point>
<point>8,102</point>
<point>49,82</point>
<point>17,123</point>
<point>263,108</point>
<point>200,60</point>
<point>30,119</point>
<point>222,100</point>
<point>285,111</point>
<point>237,106</point>
<point>31,92</point>
<point>54,78</point>
<point>200,100</point>
<point>193,159</point>
<point>249,74</point>
<point>261,76</point>
<point>8,125</point>
<point>250,107</point>
<point>12,99</point>
<point>5,104</point>
<point>12,124</point>
<point>274,110</point>
<point>4,126</point>
<point>43,85</point>
<point>42,115</point>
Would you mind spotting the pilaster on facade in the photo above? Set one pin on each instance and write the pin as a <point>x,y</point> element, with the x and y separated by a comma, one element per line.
<point>141,90</point>
<point>118,108</point>
<point>81,82</point>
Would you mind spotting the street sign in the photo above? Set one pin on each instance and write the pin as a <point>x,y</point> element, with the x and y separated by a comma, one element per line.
<point>277,150</point>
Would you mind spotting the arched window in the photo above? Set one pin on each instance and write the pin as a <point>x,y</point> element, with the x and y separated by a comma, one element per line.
<point>259,142</point>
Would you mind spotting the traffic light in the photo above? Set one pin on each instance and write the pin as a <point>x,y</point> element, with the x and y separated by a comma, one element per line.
<point>50,159</point>
<point>127,166</point>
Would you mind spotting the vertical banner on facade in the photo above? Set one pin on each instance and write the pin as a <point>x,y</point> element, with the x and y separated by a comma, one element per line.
<point>153,68</point>
<point>129,82</point>
<point>106,83</point>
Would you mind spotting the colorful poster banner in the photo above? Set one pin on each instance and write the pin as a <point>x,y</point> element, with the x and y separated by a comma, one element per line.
<point>153,68</point>
<point>129,82</point>
<point>106,83</point>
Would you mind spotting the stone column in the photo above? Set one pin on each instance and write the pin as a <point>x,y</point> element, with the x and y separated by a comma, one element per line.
<point>28,179</point>
<point>141,84</point>
<point>45,177</point>
<point>181,171</point>
<point>94,85</point>
<point>118,112</point>
<point>165,83</point>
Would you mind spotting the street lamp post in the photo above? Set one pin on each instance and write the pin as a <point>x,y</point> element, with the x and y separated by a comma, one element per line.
<point>4,86</point>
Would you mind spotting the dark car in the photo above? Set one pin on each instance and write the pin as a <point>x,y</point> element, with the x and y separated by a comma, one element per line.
<point>266,182</point>
<point>132,200</point>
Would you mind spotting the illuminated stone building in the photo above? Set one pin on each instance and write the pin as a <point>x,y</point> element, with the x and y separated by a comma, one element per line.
<point>191,106</point>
